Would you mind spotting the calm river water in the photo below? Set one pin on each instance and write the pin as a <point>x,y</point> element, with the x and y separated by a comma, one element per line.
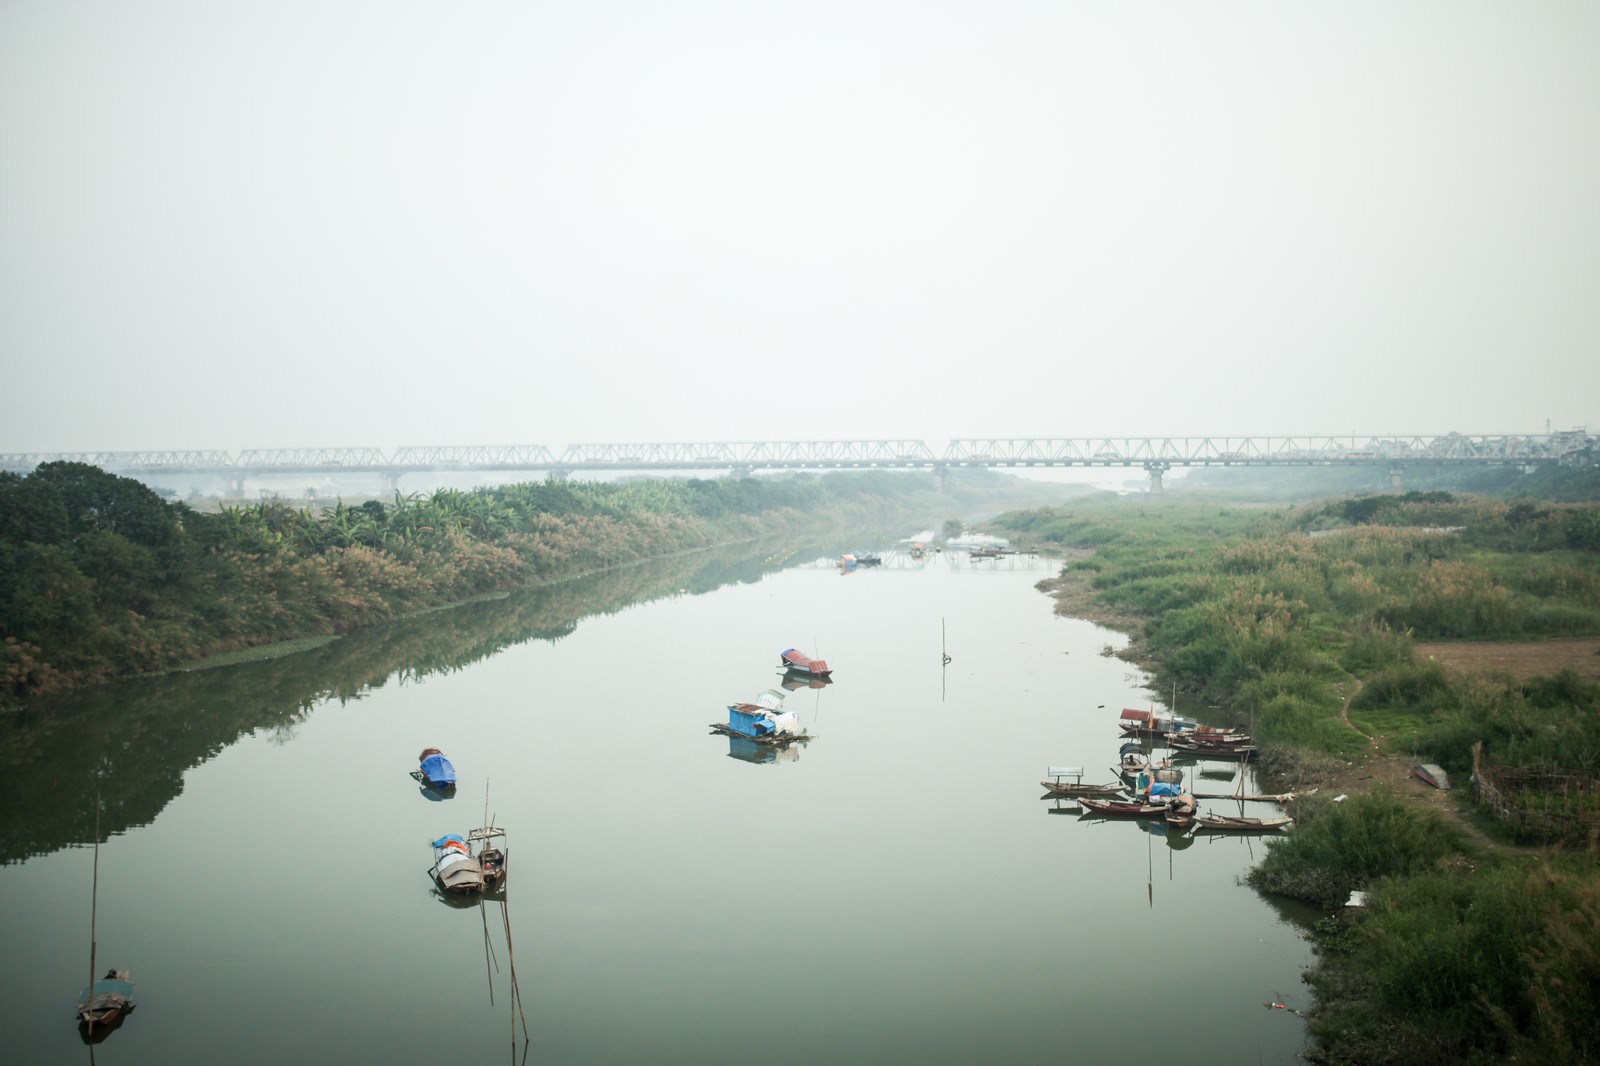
<point>893,891</point>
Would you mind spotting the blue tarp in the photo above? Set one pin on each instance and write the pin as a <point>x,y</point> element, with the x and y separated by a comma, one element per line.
<point>442,841</point>
<point>436,770</point>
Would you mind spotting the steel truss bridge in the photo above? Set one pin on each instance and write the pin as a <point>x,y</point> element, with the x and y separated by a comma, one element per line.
<point>1155,455</point>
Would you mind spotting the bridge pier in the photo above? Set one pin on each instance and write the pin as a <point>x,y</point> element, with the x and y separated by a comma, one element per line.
<point>236,487</point>
<point>939,473</point>
<point>1156,470</point>
<point>742,472</point>
<point>1395,480</point>
<point>391,483</point>
<point>558,473</point>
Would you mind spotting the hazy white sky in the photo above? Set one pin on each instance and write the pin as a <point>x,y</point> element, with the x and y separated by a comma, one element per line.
<point>288,224</point>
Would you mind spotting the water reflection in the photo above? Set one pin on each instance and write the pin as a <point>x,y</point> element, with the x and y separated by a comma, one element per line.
<point>136,740</point>
<point>746,749</point>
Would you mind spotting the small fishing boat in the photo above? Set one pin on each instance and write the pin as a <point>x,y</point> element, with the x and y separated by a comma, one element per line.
<point>1068,781</point>
<point>491,857</point>
<point>103,1005</point>
<point>1221,823</point>
<point>1121,808</point>
<point>1132,760</point>
<point>1181,812</point>
<point>455,869</point>
<point>796,663</point>
<point>1433,774</point>
<point>1244,752</point>
<point>1137,723</point>
<point>435,771</point>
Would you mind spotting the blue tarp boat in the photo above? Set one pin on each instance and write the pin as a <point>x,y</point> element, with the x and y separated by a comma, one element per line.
<point>436,771</point>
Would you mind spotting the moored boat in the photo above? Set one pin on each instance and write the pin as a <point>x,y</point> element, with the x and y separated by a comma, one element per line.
<point>455,869</point>
<point>1132,760</point>
<point>1137,723</point>
<point>1121,808</point>
<point>1222,823</point>
<point>763,720</point>
<point>794,662</point>
<point>491,857</point>
<point>103,1005</point>
<point>1068,781</point>
<point>435,771</point>
<point>1242,749</point>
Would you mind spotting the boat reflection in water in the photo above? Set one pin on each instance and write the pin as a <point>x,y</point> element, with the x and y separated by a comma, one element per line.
<point>793,681</point>
<point>1175,838</point>
<point>748,750</point>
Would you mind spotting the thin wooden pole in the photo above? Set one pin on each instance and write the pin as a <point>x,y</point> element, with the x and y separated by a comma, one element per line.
<point>511,960</point>
<point>94,908</point>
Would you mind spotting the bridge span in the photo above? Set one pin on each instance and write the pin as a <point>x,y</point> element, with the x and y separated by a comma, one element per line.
<point>1155,455</point>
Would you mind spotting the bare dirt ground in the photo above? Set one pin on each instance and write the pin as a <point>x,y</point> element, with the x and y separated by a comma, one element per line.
<point>1519,658</point>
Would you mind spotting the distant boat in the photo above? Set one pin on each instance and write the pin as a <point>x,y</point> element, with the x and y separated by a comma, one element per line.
<point>455,869</point>
<point>435,771</point>
<point>795,662</point>
<point>1433,774</point>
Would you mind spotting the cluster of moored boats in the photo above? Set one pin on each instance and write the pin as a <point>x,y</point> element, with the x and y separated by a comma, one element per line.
<point>1154,788</point>
<point>763,719</point>
<point>462,866</point>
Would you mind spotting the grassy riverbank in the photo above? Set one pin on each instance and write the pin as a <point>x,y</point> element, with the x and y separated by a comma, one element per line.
<point>1478,942</point>
<point>102,579</point>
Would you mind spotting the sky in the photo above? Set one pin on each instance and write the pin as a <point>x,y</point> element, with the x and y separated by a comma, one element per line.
<point>298,224</point>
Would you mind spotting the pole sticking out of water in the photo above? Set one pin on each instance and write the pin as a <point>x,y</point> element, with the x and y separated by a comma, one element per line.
<point>94,908</point>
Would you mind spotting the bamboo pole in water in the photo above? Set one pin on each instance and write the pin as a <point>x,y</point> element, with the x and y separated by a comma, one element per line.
<point>94,907</point>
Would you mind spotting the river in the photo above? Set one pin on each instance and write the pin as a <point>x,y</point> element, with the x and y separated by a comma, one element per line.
<point>892,890</point>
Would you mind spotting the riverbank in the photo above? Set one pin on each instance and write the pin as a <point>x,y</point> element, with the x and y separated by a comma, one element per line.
<point>1332,651</point>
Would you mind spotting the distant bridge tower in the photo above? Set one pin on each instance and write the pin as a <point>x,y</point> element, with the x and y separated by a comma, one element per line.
<point>1156,468</point>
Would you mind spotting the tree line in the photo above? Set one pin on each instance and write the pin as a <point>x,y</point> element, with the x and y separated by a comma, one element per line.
<point>101,578</point>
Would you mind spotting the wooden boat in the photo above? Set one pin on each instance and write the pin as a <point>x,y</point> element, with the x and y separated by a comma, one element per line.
<point>455,869</point>
<point>1121,808</point>
<point>435,771</point>
<point>491,858</point>
<point>1057,783</point>
<point>1433,774</point>
<point>1133,761</point>
<point>1243,751</point>
<point>1221,823</point>
<point>1137,723</point>
<point>107,999</point>
<point>795,662</point>
<point>1181,812</point>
